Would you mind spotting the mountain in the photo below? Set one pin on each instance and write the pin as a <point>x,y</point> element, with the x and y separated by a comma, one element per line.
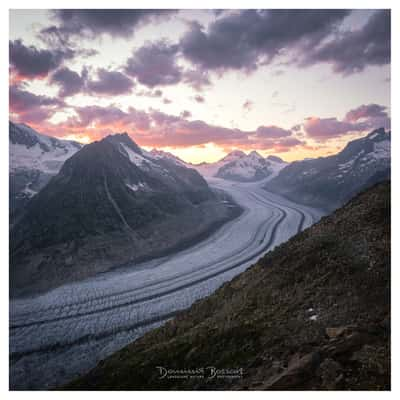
<point>328,182</point>
<point>314,313</point>
<point>34,159</point>
<point>210,169</point>
<point>110,204</point>
<point>239,166</point>
<point>160,154</point>
<point>249,168</point>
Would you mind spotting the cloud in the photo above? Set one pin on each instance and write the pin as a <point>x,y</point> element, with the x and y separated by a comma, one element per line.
<point>372,115</point>
<point>196,78</point>
<point>366,111</point>
<point>150,93</point>
<point>106,83</point>
<point>93,22</point>
<point>185,114</point>
<point>327,128</point>
<point>158,129</point>
<point>167,101</point>
<point>110,83</point>
<point>248,105</point>
<point>155,64</point>
<point>199,99</point>
<point>354,50</point>
<point>111,117</point>
<point>245,39</point>
<point>361,119</point>
<point>31,62</point>
<point>31,108</point>
<point>272,132</point>
<point>69,82</point>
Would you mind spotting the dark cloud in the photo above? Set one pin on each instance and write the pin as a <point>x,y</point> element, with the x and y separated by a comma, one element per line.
<point>272,132</point>
<point>31,62</point>
<point>327,128</point>
<point>92,22</point>
<point>32,108</point>
<point>199,99</point>
<point>354,50</point>
<point>69,82</point>
<point>366,111</point>
<point>296,128</point>
<point>155,64</point>
<point>196,78</point>
<point>186,114</point>
<point>167,101</point>
<point>110,83</point>
<point>106,117</point>
<point>372,115</point>
<point>363,118</point>
<point>247,38</point>
<point>107,83</point>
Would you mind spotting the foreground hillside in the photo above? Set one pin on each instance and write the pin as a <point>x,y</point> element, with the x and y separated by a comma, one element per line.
<point>312,314</point>
<point>110,204</point>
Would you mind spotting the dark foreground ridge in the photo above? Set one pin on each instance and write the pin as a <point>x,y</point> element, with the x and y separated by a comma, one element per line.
<point>312,314</point>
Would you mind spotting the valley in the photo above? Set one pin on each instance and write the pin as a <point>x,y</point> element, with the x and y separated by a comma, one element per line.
<point>59,335</point>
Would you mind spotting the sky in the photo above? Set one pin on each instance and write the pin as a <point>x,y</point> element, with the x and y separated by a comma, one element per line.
<point>200,83</point>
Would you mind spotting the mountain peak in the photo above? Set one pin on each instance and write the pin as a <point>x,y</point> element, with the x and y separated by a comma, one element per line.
<point>255,154</point>
<point>125,139</point>
<point>377,133</point>
<point>234,155</point>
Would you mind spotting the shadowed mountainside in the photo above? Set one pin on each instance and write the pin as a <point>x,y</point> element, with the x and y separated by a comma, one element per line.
<point>110,204</point>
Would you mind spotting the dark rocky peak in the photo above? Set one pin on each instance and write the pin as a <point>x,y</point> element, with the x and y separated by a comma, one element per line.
<point>124,139</point>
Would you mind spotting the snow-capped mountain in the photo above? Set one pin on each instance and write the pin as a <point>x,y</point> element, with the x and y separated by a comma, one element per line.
<point>328,182</point>
<point>34,159</point>
<point>160,154</point>
<point>111,203</point>
<point>250,167</point>
<point>210,169</point>
<point>239,166</point>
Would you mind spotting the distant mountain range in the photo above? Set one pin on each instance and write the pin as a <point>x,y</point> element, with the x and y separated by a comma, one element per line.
<point>242,167</point>
<point>34,159</point>
<point>111,203</point>
<point>78,210</point>
<point>328,182</point>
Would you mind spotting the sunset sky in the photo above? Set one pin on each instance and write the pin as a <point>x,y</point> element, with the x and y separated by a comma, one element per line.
<point>295,83</point>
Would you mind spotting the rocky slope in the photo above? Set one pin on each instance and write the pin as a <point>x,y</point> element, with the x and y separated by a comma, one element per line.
<point>34,159</point>
<point>111,203</point>
<point>312,314</point>
<point>328,182</point>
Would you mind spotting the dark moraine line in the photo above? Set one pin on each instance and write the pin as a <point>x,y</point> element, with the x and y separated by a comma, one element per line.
<point>14,357</point>
<point>301,213</point>
<point>175,278</point>
<point>166,292</point>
